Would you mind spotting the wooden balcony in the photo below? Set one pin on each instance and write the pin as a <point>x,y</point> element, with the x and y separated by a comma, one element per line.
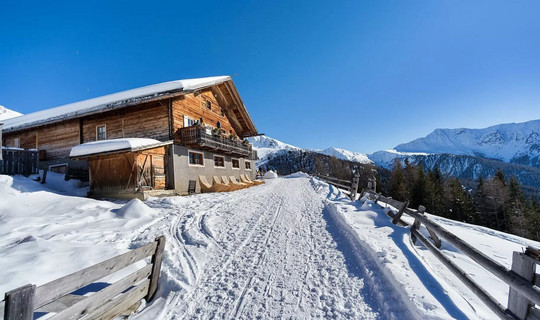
<point>207,139</point>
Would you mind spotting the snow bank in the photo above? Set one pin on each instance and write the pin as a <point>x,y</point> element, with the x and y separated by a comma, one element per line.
<point>135,209</point>
<point>270,175</point>
<point>423,280</point>
<point>95,147</point>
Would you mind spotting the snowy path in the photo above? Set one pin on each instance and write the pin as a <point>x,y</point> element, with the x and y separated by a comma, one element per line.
<point>293,248</point>
<point>268,253</point>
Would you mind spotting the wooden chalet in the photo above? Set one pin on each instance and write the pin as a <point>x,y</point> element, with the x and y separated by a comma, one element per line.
<point>201,124</point>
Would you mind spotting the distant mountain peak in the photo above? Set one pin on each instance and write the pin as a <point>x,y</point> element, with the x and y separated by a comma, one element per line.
<point>266,146</point>
<point>6,113</point>
<point>509,142</point>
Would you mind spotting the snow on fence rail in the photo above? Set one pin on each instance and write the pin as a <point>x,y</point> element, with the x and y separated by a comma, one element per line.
<point>522,279</point>
<point>350,185</point>
<point>118,298</point>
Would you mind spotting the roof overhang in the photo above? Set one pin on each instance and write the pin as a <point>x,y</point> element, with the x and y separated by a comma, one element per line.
<point>122,150</point>
<point>111,102</point>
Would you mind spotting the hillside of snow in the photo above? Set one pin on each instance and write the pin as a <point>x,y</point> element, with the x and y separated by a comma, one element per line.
<point>345,154</point>
<point>267,146</point>
<point>6,113</point>
<point>294,247</point>
<point>510,142</point>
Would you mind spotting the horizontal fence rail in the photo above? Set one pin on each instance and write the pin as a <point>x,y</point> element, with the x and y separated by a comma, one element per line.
<point>350,185</point>
<point>120,297</point>
<point>522,279</point>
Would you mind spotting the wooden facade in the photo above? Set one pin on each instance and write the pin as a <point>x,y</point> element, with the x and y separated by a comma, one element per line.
<point>158,120</point>
<point>157,115</point>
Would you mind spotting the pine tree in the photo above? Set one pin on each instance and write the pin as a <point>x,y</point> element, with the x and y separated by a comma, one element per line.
<point>515,206</point>
<point>533,219</point>
<point>418,194</point>
<point>398,186</point>
<point>435,192</point>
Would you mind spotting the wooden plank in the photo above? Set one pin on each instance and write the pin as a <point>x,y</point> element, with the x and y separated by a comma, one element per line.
<point>398,215</point>
<point>434,237</point>
<point>96,300</point>
<point>123,302</point>
<point>534,315</point>
<point>156,262</point>
<point>524,266</point>
<point>62,303</point>
<point>484,296</point>
<point>517,282</point>
<point>19,303</point>
<point>53,290</point>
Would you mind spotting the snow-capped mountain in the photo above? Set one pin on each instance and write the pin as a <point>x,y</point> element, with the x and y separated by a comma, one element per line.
<point>6,113</point>
<point>345,155</point>
<point>511,142</point>
<point>266,146</point>
<point>471,153</point>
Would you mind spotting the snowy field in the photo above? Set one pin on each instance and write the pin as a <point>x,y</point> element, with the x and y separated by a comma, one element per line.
<point>291,248</point>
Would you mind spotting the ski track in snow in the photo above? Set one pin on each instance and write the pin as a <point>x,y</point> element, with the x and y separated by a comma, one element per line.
<point>267,253</point>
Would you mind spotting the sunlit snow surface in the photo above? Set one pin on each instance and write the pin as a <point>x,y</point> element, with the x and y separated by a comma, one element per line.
<point>291,248</point>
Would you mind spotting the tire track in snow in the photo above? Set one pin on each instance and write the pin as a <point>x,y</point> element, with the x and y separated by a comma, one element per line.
<point>270,255</point>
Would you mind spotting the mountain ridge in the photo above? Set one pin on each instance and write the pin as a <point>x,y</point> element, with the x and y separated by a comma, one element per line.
<point>510,142</point>
<point>6,113</point>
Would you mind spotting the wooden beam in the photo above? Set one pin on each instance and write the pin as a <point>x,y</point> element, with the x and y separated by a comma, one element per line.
<point>53,290</point>
<point>484,296</point>
<point>156,270</point>
<point>95,301</point>
<point>19,303</point>
<point>524,266</point>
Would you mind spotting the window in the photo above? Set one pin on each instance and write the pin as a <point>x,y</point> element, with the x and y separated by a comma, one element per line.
<point>101,132</point>
<point>16,143</point>
<point>219,162</point>
<point>188,122</point>
<point>209,105</point>
<point>248,165</point>
<point>235,163</point>
<point>196,158</point>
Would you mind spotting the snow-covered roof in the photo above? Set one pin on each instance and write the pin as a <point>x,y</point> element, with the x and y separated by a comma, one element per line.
<point>115,145</point>
<point>109,102</point>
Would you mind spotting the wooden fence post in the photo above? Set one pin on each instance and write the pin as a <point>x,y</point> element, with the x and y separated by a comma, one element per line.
<point>156,269</point>
<point>398,215</point>
<point>416,224</point>
<point>524,266</point>
<point>354,186</point>
<point>19,303</point>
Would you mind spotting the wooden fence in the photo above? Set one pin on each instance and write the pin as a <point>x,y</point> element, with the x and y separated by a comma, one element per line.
<point>121,297</point>
<point>351,186</point>
<point>522,278</point>
<point>19,161</point>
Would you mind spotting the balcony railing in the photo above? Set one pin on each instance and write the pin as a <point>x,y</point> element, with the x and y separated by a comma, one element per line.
<point>208,139</point>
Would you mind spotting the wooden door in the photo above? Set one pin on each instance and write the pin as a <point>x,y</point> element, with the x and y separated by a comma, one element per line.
<point>158,171</point>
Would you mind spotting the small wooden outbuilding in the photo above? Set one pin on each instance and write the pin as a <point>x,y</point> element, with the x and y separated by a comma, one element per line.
<point>126,168</point>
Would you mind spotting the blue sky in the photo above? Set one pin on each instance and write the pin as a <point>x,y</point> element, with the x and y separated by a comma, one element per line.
<point>360,75</point>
